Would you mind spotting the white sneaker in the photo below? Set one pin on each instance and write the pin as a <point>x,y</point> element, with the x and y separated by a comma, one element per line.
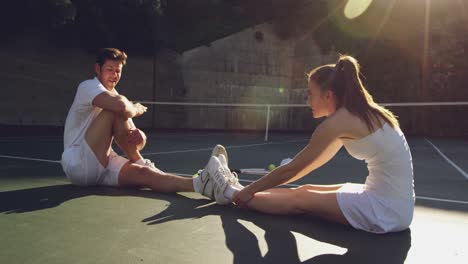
<point>232,176</point>
<point>221,177</point>
<point>222,155</point>
<point>204,185</point>
<point>150,164</point>
<point>218,150</point>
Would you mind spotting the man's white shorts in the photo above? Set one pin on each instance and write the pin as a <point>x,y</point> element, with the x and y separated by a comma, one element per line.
<point>83,168</point>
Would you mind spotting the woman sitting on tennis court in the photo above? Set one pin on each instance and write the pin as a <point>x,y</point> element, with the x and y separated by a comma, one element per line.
<point>384,203</point>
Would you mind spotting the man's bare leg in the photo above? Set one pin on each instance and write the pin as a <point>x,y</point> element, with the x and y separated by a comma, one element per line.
<point>106,127</point>
<point>121,128</point>
<point>134,175</point>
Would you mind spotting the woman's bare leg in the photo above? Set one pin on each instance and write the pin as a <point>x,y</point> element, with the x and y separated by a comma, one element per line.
<point>313,187</point>
<point>302,200</point>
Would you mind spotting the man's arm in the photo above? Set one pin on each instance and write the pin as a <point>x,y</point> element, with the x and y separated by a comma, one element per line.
<point>118,104</point>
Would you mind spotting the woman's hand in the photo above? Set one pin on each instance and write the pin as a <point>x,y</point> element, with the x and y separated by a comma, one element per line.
<point>243,197</point>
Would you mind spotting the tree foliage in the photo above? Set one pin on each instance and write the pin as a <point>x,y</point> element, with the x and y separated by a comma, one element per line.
<point>89,24</point>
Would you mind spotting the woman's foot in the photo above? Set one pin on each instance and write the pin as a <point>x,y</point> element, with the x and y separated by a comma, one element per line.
<point>202,181</point>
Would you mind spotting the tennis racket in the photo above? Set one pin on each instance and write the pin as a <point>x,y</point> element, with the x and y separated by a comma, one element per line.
<point>251,171</point>
<point>260,171</point>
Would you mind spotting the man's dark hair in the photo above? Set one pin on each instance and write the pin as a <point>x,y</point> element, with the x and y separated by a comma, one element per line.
<point>111,54</point>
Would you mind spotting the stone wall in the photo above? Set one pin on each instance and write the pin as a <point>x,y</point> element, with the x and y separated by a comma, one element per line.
<point>445,79</point>
<point>251,67</point>
<point>39,81</point>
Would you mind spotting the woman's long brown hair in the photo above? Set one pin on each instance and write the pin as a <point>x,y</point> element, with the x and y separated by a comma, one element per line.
<point>344,81</point>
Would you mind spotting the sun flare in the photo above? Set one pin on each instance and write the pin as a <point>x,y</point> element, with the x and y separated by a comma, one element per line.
<point>355,8</point>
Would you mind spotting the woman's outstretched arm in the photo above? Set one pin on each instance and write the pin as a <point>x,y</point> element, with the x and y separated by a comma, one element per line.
<point>323,145</point>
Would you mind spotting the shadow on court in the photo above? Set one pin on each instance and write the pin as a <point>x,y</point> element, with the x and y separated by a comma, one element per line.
<point>33,199</point>
<point>282,244</point>
<point>61,223</point>
<point>360,247</point>
<point>283,247</point>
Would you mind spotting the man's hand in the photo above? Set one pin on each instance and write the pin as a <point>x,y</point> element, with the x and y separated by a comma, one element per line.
<point>243,197</point>
<point>139,109</point>
<point>137,138</point>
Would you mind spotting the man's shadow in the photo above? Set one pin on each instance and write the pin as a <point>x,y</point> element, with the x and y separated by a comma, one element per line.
<point>40,198</point>
<point>357,246</point>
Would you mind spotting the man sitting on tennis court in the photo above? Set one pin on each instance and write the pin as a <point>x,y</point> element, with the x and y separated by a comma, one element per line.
<point>384,203</point>
<point>98,116</point>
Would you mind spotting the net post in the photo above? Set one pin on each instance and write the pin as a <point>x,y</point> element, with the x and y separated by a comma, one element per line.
<point>267,122</point>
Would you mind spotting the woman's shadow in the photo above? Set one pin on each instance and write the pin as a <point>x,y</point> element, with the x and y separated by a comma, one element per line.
<point>285,246</point>
<point>281,236</point>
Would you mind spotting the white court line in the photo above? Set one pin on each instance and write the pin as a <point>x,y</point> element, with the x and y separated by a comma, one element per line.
<point>448,160</point>
<point>202,149</point>
<point>171,152</point>
<point>165,135</point>
<point>227,147</point>
<point>242,180</point>
<point>15,140</point>
<point>30,137</point>
<point>441,200</point>
<point>31,159</point>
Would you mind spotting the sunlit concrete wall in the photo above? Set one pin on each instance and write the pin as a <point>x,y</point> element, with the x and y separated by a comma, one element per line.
<point>254,66</point>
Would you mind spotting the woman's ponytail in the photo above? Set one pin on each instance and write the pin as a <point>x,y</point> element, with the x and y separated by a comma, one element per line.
<point>352,94</point>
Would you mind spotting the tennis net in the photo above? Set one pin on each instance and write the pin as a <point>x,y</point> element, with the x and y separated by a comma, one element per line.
<point>416,118</point>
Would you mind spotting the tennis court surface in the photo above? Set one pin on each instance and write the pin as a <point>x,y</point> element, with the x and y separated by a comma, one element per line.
<point>44,219</point>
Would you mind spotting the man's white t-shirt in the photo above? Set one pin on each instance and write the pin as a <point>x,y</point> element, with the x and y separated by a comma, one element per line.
<point>82,111</point>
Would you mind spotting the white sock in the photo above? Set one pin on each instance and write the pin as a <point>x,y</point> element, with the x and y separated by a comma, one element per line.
<point>140,162</point>
<point>231,190</point>
<point>196,184</point>
<point>239,186</point>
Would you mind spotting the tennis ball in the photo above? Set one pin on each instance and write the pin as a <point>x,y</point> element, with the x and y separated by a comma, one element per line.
<point>271,167</point>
